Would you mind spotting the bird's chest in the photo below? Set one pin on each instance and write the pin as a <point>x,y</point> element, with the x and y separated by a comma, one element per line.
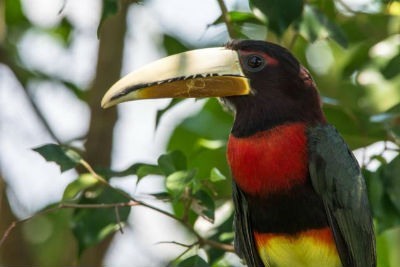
<point>269,161</point>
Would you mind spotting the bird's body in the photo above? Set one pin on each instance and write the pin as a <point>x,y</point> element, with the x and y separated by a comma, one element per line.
<point>300,199</point>
<point>288,219</point>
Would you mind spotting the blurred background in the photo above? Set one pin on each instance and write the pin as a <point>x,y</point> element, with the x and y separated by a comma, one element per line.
<point>57,59</point>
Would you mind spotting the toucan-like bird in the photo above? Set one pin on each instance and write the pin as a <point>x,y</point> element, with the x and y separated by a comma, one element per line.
<point>300,199</point>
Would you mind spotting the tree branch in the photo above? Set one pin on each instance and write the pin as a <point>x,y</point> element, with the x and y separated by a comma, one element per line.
<point>227,19</point>
<point>132,202</point>
<point>22,76</point>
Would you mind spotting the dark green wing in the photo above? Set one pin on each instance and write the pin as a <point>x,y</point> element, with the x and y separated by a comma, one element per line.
<point>336,177</point>
<point>245,245</point>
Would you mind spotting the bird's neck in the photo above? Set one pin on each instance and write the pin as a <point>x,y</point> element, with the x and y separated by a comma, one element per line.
<point>260,117</point>
<point>251,122</point>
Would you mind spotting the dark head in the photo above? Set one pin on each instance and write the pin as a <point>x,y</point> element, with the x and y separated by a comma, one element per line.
<point>263,82</point>
<point>282,90</point>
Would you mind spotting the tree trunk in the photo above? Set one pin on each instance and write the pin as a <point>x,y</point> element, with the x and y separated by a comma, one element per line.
<point>100,136</point>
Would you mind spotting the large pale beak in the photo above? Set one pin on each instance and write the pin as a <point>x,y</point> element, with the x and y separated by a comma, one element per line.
<point>210,72</point>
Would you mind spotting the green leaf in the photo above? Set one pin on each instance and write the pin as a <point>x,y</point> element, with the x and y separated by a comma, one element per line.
<point>193,261</point>
<point>327,7</point>
<point>315,26</point>
<point>178,181</point>
<point>367,27</point>
<point>358,58</point>
<point>75,89</point>
<point>390,175</point>
<point>63,31</point>
<point>204,205</point>
<point>197,126</point>
<point>14,15</point>
<point>161,112</point>
<point>42,76</point>
<point>384,249</point>
<point>211,144</point>
<point>139,169</point>
<point>172,162</point>
<point>180,210</point>
<point>216,175</point>
<point>244,17</point>
<point>190,137</point>
<point>280,13</point>
<point>379,158</point>
<point>164,196</point>
<point>390,120</point>
<point>239,18</point>
<point>383,208</point>
<point>131,170</point>
<point>90,226</point>
<point>83,182</point>
<point>355,127</point>
<point>64,156</point>
<point>147,169</point>
<point>390,217</point>
<point>392,69</point>
<point>173,46</point>
<point>375,191</point>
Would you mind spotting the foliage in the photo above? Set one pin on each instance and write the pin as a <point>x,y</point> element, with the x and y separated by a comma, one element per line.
<point>335,42</point>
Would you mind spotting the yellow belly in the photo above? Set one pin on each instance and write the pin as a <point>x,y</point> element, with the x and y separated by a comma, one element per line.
<point>312,248</point>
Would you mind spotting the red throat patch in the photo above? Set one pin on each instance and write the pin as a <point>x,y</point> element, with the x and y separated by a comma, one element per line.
<point>269,161</point>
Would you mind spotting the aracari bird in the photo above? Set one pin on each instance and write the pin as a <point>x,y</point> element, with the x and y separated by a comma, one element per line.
<point>300,199</point>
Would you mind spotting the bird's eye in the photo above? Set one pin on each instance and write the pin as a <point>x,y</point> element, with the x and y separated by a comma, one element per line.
<point>255,63</point>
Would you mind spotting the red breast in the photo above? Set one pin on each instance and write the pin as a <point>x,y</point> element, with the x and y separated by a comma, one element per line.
<point>269,161</point>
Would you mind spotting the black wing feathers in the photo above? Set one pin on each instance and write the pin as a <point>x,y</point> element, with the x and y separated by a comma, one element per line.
<point>337,178</point>
<point>244,240</point>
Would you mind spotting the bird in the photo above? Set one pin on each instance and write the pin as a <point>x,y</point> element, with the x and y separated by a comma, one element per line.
<point>299,196</point>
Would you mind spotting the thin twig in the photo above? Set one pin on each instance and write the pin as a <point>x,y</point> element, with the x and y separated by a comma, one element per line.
<point>179,244</point>
<point>7,232</point>
<point>89,168</point>
<point>15,223</point>
<point>218,245</point>
<point>62,7</point>
<point>97,206</point>
<point>227,19</point>
<point>183,253</point>
<point>120,226</point>
<point>41,116</point>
